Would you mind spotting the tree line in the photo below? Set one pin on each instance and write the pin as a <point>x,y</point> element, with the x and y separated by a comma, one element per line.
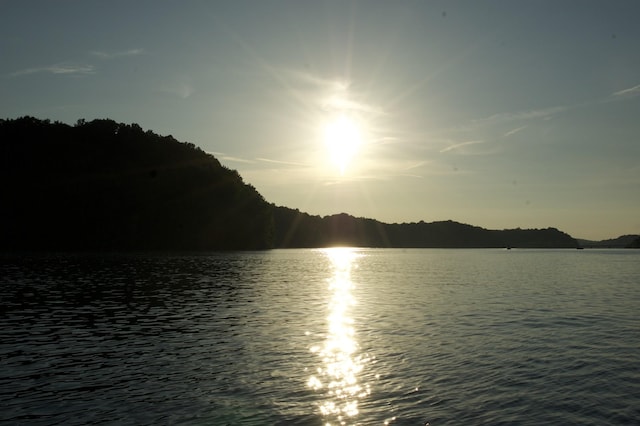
<point>103,185</point>
<point>298,229</point>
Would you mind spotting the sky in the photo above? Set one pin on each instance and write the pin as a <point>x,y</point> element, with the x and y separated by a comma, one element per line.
<point>500,114</point>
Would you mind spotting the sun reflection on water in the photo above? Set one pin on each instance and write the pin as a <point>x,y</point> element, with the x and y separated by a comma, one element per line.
<point>341,363</point>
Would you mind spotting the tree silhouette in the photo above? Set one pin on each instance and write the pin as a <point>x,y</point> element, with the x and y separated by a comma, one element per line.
<point>103,185</point>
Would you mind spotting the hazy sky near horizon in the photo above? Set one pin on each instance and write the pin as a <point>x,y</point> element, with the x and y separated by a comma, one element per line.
<point>500,114</point>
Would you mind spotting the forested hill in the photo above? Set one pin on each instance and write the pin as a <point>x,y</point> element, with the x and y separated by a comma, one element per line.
<point>623,241</point>
<point>297,229</point>
<point>102,185</point>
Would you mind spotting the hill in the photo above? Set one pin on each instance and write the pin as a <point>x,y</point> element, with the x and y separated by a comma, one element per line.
<point>623,241</point>
<point>102,185</point>
<point>297,229</point>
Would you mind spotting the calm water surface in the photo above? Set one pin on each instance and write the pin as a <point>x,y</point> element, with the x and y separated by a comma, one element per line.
<point>315,337</point>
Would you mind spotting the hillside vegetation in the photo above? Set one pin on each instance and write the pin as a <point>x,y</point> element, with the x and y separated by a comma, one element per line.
<point>106,185</point>
<point>623,241</point>
<point>103,185</point>
<point>297,229</point>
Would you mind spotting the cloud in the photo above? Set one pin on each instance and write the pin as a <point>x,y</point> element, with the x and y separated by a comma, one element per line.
<point>460,145</point>
<point>514,131</point>
<point>113,55</point>
<point>415,165</point>
<point>225,157</point>
<point>506,117</point>
<point>236,159</point>
<point>631,91</point>
<point>342,102</point>
<point>549,112</point>
<point>74,68</point>
<point>71,68</point>
<point>287,163</point>
<point>311,79</point>
<point>329,95</point>
<point>63,68</point>
<point>181,90</point>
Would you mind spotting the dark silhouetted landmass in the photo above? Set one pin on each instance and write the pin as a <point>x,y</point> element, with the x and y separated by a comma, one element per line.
<point>103,185</point>
<point>623,241</point>
<point>297,229</point>
<point>635,243</point>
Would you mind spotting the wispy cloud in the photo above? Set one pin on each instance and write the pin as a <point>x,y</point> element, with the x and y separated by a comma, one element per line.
<point>342,102</point>
<point>460,145</point>
<point>77,68</point>
<point>119,54</point>
<point>181,90</point>
<point>549,112</point>
<point>236,159</point>
<point>62,68</point>
<point>415,165</point>
<point>287,163</point>
<point>631,91</point>
<point>225,157</point>
<point>523,115</point>
<point>311,79</point>
<point>329,95</point>
<point>514,131</point>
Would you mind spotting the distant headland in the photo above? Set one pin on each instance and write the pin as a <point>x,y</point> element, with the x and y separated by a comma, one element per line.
<point>103,185</point>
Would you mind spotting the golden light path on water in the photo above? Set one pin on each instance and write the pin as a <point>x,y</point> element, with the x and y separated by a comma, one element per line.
<point>338,374</point>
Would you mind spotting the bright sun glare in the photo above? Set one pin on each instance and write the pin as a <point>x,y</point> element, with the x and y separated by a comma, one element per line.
<point>343,139</point>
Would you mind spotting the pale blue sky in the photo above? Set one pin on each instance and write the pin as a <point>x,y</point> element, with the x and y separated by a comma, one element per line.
<point>500,114</point>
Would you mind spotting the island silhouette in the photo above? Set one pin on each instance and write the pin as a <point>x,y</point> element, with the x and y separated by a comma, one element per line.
<point>103,185</point>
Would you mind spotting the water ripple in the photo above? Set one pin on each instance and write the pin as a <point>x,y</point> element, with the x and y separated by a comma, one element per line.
<point>406,337</point>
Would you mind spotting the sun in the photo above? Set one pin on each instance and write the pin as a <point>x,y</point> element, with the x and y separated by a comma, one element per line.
<point>343,139</point>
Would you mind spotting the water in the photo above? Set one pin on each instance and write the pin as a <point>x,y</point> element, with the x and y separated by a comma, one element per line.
<point>314,337</point>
